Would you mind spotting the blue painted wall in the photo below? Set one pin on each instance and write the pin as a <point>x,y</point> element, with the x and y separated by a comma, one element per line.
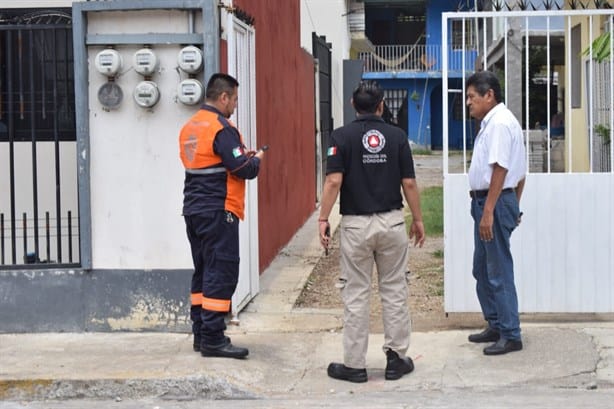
<point>424,113</point>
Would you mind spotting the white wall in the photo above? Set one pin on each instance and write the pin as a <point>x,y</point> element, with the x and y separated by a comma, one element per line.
<point>327,18</point>
<point>136,174</point>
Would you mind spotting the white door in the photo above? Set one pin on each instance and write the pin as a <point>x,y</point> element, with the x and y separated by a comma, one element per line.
<point>242,66</point>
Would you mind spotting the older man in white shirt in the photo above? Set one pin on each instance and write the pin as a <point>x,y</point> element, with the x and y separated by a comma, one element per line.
<point>496,179</point>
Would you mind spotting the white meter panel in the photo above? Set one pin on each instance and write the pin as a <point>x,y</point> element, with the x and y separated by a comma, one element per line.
<point>145,61</point>
<point>146,94</point>
<point>108,62</point>
<point>190,91</point>
<point>190,59</point>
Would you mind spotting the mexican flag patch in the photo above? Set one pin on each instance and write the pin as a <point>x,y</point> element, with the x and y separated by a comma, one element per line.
<point>238,151</point>
<point>332,151</point>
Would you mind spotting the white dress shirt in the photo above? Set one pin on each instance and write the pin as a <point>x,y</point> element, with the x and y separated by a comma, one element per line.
<point>499,141</point>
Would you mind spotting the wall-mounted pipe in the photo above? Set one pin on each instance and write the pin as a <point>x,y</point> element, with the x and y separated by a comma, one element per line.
<point>191,21</point>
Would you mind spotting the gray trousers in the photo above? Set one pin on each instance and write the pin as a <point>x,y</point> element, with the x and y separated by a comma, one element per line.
<point>379,239</point>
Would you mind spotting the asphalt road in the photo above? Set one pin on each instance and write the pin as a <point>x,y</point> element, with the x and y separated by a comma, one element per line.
<point>442,399</point>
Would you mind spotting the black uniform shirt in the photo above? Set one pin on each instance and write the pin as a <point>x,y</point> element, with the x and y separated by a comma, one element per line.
<point>373,157</point>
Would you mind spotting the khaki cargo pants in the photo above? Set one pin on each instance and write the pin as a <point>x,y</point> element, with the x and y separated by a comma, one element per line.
<point>379,239</point>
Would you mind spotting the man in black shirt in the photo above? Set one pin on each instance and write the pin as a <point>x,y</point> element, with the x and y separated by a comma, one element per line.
<point>370,162</point>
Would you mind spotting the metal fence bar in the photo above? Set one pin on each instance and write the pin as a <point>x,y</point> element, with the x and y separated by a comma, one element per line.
<point>69,236</point>
<point>24,224</point>
<point>526,96</point>
<point>33,138</point>
<point>591,104</point>
<point>47,236</point>
<point>2,238</point>
<point>11,142</point>
<point>568,115</point>
<point>463,58</point>
<point>58,199</point>
<point>506,62</point>
<point>611,154</point>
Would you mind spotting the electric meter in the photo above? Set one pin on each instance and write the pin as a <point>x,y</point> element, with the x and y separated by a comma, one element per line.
<point>190,59</point>
<point>145,61</point>
<point>110,95</point>
<point>108,62</point>
<point>190,91</point>
<point>146,94</point>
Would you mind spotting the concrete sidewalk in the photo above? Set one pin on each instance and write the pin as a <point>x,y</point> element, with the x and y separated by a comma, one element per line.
<point>289,352</point>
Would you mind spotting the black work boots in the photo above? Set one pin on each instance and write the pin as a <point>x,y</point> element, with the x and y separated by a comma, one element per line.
<point>396,366</point>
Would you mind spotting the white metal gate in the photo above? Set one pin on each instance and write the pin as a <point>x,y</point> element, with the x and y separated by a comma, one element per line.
<point>242,66</point>
<point>564,248</point>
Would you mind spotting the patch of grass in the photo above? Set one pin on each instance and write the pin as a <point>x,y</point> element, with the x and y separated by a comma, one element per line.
<point>431,202</point>
<point>438,253</point>
<point>421,152</point>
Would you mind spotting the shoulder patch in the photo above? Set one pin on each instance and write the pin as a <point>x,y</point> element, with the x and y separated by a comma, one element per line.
<point>238,151</point>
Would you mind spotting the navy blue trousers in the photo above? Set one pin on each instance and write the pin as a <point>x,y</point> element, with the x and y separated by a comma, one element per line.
<point>214,241</point>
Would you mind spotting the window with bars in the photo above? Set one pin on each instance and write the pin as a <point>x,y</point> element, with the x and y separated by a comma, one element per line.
<point>468,42</point>
<point>36,78</point>
<point>39,220</point>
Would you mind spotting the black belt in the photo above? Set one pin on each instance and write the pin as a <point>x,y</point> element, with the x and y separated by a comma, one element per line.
<point>478,194</point>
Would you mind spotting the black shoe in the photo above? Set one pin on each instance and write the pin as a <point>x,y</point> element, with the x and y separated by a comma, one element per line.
<point>488,335</point>
<point>198,341</point>
<point>226,350</point>
<point>503,346</point>
<point>396,367</point>
<point>344,373</point>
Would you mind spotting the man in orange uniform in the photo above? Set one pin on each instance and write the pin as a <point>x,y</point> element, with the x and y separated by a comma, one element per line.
<point>217,164</point>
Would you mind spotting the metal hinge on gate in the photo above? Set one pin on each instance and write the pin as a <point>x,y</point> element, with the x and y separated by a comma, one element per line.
<point>239,13</point>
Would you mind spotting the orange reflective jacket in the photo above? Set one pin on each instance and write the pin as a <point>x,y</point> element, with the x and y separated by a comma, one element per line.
<point>209,185</point>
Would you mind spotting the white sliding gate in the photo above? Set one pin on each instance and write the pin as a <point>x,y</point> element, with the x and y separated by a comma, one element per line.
<point>564,248</point>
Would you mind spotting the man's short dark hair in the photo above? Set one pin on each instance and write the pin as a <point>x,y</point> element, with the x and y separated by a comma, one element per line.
<point>367,97</point>
<point>220,83</point>
<point>482,81</point>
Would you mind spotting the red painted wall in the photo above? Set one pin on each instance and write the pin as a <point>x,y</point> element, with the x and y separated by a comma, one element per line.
<point>285,121</point>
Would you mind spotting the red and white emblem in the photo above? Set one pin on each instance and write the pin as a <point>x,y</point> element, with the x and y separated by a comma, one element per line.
<point>373,141</point>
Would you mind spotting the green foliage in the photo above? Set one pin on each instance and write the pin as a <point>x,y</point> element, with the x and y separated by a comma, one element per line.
<point>603,131</point>
<point>431,202</point>
<point>421,152</point>
<point>601,48</point>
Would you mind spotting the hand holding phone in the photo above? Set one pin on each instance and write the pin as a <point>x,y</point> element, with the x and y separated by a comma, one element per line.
<point>260,152</point>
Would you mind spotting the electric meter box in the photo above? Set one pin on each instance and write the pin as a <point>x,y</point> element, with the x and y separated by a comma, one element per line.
<point>146,94</point>
<point>190,91</point>
<point>108,62</point>
<point>190,59</point>
<point>145,61</point>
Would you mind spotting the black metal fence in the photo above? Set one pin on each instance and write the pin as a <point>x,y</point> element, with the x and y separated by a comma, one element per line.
<point>38,205</point>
